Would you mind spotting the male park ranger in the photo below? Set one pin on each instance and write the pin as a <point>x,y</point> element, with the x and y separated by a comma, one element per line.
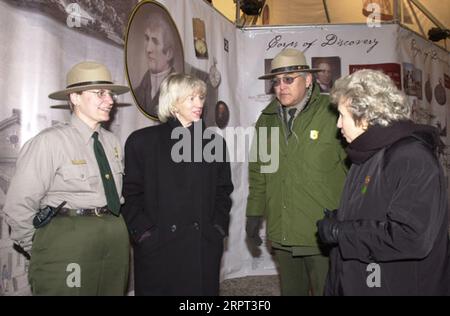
<point>309,179</point>
<point>82,247</point>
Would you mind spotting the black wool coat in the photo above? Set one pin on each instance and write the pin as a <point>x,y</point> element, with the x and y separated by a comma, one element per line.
<point>393,236</point>
<point>177,213</point>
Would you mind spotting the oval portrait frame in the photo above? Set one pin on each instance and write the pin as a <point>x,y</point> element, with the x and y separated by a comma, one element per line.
<point>136,67</point>
<point>221,118</point>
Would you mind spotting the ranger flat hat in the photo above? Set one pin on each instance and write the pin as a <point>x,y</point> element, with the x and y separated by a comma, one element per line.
<point>287,61</point>
<point>85,76</point>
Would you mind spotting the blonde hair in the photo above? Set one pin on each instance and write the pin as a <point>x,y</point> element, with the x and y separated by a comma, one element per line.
<point>175,88</point>
<point>373,96</point>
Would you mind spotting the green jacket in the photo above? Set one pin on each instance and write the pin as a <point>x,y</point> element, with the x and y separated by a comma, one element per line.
<point>310,176</point>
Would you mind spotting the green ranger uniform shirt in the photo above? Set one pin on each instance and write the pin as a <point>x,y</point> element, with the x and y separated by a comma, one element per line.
<point>59,165</point>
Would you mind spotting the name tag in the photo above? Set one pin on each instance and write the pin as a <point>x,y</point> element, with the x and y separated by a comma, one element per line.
<point>79,162</point>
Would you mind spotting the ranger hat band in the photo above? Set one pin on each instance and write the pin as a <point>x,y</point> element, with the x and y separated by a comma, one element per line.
<point>287,61</point>
<point>88,75</point>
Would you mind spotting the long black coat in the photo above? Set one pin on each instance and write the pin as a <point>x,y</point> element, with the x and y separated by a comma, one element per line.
<point>183,207</point>
<point>394,208</point>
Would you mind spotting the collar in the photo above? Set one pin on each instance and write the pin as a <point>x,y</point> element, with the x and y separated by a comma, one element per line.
<point>84,130</point>
<point>378,137</point>
<point>163,74</point>
<point>323,85</point>
<point>173,122</point>
<point>156,80</point>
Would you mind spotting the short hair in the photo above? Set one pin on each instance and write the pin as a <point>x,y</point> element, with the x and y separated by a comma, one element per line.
<point>69,101</point>
<point>373,96</point>
<point>173,89</point>
<point>155,22</point>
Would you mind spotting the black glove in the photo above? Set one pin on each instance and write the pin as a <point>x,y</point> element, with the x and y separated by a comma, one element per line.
<point>328,228</point>
<point>330,213</point>
<point>252,228</point>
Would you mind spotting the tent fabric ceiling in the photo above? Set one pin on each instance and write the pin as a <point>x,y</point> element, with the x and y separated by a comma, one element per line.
<point>291,12</point>
<point>298,12</point>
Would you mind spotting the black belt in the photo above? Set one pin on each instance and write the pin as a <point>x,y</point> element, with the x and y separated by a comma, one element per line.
<point>97,211</point>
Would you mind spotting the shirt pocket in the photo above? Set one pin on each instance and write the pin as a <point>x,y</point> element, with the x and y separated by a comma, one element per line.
<point>76,177</point>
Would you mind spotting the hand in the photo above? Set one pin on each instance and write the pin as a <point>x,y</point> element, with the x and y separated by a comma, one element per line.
<point>252,228</point>
<point>328,228</point>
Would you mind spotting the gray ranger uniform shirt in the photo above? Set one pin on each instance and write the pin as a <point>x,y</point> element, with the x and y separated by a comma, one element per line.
<point>59,165</point>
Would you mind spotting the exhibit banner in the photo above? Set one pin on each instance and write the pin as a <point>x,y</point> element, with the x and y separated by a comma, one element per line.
<point>43,40</point>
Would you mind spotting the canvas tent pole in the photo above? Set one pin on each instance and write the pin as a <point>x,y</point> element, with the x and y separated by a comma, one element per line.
<point>397,11</point>
<point>238,15</point>
<point>428,14</point>
<point>325,7</point>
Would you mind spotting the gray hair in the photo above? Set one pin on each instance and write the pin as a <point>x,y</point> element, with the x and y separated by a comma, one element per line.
<point>373,96</point>
<point>174,89</point>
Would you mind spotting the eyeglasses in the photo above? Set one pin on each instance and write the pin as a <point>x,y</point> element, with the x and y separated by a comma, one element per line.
<point>102,94</point>
<point>286,80</point>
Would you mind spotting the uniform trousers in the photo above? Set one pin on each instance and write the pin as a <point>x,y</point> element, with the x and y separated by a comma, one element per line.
<point>80,255</point>
<point>301,275</point>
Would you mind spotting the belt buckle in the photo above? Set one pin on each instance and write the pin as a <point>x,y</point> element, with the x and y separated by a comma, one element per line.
<point>97,211</point>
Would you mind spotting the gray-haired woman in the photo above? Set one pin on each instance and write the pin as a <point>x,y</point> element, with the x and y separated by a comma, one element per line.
<point>391,230</point>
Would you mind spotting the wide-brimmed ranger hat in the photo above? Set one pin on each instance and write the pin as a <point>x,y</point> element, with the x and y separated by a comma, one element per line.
<point>88,75</point>
<point>287,61</point>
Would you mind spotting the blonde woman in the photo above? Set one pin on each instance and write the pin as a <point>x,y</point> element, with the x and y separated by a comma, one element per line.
<point>177,210</point>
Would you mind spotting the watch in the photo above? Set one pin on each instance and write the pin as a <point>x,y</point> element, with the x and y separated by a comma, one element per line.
<point>200,46</point>
<point>214,75</point>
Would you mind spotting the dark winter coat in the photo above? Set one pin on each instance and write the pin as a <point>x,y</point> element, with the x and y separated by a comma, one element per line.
<point>309,178</point>
<point>393,239</point>
<point>177,214</point>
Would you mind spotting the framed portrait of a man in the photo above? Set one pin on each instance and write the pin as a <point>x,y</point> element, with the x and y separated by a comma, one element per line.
<point>330,71</point>
<point>153,50</point>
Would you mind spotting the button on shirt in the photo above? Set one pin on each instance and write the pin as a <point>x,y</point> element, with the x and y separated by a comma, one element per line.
<point>59,165</point>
